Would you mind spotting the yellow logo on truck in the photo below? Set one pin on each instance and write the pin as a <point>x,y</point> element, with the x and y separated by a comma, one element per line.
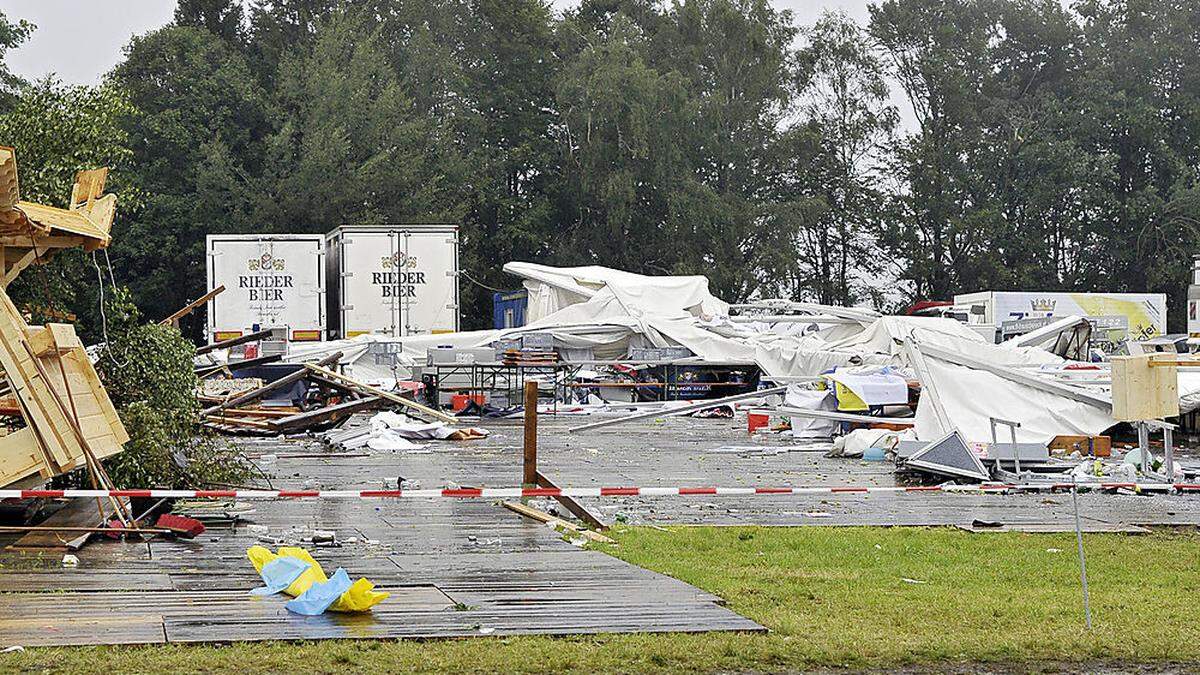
<point>1141,326</point>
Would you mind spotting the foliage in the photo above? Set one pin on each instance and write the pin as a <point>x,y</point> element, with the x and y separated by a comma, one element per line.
<point>12,35</point>
<point>1042,146</point>
<point>57,131</point>
<point>832,598</point>
<point>147,370</point>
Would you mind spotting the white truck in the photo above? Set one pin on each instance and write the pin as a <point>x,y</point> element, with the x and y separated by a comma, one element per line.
<point>271,281</point>
<point>1115,316</point>
<point>393,280</point>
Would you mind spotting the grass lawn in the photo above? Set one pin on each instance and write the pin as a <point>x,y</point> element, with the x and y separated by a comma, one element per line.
<point>857,597</point>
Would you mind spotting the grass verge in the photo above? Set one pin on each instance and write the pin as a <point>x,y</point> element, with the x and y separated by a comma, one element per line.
<point>832,597</point>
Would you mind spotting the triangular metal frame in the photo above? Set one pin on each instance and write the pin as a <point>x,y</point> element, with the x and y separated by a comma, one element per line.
<point>917,460</point>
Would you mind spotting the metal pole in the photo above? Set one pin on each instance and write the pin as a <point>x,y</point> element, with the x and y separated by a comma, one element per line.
<point>1012,431</point>
<point>1169,454</point>
<point>1144,446</point>
<point>529,475</point>
<point>1087,606</point>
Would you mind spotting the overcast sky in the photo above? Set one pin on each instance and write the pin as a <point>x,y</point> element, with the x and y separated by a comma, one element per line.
<point>80,41</point>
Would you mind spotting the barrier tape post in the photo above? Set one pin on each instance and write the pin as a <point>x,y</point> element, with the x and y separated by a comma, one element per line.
<point>529,463</point>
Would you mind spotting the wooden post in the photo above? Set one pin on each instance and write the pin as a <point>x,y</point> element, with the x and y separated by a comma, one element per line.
<point>529,475</point>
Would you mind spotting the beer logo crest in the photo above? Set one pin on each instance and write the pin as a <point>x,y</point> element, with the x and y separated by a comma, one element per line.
<point>398,261</point>
<point>1043,305</point>
<point>265,263</point>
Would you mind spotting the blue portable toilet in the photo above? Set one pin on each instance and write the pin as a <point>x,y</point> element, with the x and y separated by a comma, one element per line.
<point>508,309</point>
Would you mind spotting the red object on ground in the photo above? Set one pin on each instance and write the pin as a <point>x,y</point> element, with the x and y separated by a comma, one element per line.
<point>459,401</point>
<point>756,421</point>
<point>180,525</point>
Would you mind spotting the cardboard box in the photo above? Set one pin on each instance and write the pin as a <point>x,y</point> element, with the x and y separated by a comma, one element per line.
<point>1100,446</point>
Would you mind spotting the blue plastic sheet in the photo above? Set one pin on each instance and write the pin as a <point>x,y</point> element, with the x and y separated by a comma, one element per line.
<point>320,595</point>
<point>279,574</point>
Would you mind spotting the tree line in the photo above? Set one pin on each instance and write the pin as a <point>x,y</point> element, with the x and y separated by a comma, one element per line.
<point>943,146</point>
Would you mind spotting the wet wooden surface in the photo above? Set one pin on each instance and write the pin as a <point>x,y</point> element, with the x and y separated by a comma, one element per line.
<point>471,567</point>
<point>454,568</point>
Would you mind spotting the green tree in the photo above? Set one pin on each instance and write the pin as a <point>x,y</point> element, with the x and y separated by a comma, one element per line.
<point>197,133</point>
<point>666,121</point>
<point>350,147</point>
<point>12,35</point>
<point>844,98</point>
<point>58,131</point>
<point>939,51</point>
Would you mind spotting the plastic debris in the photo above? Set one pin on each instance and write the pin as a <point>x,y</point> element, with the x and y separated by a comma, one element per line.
<point>321,595</point>
<point>358,596</point>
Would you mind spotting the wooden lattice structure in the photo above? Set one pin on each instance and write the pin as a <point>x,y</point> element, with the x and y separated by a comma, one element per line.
<point>69,421</point>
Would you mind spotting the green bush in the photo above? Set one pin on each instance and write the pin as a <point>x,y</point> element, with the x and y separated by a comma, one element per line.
<point>147,370</point>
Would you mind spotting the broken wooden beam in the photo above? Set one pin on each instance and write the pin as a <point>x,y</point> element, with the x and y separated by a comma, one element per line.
<point>569,503</point>
<point>256,394</point>
<point>328,413</point>
<point>173,320</point>
<point>375,391</point>
<point>207,371</point>
<point>559,523</point>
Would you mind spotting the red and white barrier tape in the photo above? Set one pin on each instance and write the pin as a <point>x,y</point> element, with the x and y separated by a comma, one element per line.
<point>515,492</point>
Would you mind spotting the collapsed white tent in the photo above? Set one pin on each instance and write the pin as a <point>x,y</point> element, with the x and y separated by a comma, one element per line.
<point>1006,386</point>
<point>552,289</point>
<point>606,312</point>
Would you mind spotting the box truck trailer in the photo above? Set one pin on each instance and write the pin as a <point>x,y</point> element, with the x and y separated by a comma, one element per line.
<point>271,281</point>
<point>1115,316</point>
<point>394,280</point>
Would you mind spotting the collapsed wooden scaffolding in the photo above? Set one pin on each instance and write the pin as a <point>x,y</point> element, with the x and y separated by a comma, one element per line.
<point>69,420</point>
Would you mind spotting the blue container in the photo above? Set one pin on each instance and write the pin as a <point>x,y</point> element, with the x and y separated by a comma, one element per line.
<point>508,309</point>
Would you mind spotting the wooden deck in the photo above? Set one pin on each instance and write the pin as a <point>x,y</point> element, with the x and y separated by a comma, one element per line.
<point>454,568</point>
<point>470,567</point>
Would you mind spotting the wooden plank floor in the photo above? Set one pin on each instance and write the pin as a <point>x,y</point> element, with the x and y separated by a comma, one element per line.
<point>471,567</point>
<point>454,569</point>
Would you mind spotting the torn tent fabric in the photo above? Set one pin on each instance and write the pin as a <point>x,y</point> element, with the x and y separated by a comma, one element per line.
<point>279,574</point>
<point>358,596</point>
<point>321,595</point>
<point>970,397</point>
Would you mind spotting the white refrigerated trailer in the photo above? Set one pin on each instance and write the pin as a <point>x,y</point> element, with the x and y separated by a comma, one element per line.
<point>1136,316</point>
<point>271,281</point>
<point>394,280</point>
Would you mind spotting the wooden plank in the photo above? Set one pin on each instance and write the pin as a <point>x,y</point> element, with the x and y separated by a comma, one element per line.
<point>225,344</point>
<point>543,517</point>
<point>83,580</point>
<point>191,306</point>
<point>576,508</point>
<point>326,414</point>
<point>256,394</point>
<point>117,629</point>
<point>76,513</point>
<point>368,389</point>
<point>208,371</point>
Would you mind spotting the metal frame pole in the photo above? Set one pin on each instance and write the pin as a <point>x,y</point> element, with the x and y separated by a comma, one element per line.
<point>1087,605</point>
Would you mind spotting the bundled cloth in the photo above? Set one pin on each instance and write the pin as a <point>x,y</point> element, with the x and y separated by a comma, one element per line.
<point>294,572</point>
